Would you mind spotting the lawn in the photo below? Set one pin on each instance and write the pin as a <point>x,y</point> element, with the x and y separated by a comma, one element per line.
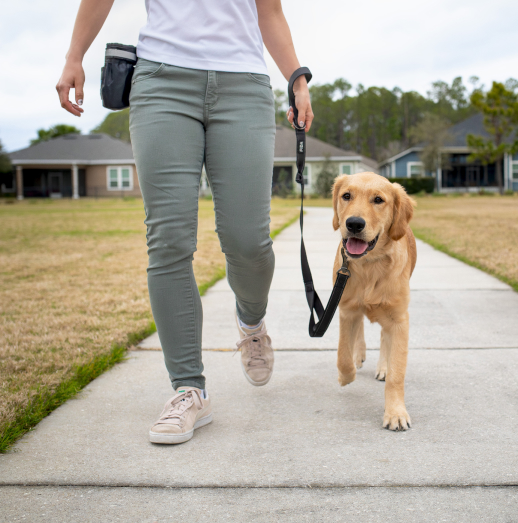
<point>73,295</point>
<point>479,230</point>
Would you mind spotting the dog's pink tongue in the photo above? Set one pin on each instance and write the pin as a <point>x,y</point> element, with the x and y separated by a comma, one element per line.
<point>356,246</point>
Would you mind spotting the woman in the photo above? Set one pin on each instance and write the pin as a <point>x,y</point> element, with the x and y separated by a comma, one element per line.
<point>201,95</point>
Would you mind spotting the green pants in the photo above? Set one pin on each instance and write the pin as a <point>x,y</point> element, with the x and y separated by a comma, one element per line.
<point>180,119</point>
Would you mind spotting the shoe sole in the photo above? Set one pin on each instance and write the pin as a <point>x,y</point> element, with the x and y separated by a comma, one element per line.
<point>255,383</point>
<point>173,439</point>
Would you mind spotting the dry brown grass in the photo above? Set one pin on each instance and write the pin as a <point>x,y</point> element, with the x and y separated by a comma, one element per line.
<point>481,230</point>
<point>73,283</point>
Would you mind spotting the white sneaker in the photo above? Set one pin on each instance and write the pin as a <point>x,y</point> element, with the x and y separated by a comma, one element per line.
<point>182,414</point>
<point>256,354</point>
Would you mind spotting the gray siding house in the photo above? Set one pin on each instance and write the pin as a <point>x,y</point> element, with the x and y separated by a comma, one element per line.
<point>459,173</point>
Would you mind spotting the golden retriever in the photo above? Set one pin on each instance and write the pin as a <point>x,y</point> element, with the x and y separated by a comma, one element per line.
<point>373,214</point>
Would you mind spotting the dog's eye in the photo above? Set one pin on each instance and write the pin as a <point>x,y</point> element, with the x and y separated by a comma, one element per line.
<point>378,200</point>
<point>347,196</point>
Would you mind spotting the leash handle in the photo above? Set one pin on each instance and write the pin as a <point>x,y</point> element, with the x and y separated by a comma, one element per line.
<point>299,131</point>
<point>291,95</point>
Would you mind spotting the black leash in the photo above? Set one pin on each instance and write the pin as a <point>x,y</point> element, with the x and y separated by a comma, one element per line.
<point>316,330</point>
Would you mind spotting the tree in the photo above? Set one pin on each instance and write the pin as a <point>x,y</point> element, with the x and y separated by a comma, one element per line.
<point>432,132</point>
<point>325,178</point>
<point>54,132</point>
<point>5,161</point>
<point>115,124</point>
<point>500,109</point>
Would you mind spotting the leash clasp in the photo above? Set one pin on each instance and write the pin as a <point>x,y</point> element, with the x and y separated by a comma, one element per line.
<point>344,269</point>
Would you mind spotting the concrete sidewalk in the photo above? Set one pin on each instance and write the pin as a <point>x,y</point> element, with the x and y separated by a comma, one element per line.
<point>301,448</point>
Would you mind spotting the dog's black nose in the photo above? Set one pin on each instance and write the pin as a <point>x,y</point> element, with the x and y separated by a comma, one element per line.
<point>355,224</point>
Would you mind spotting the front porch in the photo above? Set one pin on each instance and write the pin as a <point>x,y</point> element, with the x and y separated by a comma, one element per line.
<point>50,182</point>
<point>460,174</point>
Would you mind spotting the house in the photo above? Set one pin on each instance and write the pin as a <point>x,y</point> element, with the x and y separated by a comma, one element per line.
<point>460,174</point>
<point>76,165</point>
<point>317,151</point>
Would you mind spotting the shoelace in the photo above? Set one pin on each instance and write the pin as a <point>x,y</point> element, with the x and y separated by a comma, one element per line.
<point>180,404</point>
<point>256,347</point>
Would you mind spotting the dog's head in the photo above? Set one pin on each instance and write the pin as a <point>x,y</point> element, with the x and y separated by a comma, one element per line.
<point>368,207</point>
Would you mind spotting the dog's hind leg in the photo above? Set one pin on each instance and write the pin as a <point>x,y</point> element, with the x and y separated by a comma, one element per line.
<point>350,324</point>
<point>360,348</point>
<point>381,367</point>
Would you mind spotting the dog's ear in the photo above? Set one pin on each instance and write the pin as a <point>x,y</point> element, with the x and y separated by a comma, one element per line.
<point>403,212</point>
<point>337,188</point>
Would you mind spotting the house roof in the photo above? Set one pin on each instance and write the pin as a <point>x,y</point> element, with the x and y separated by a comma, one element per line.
<point>457,138</point>
<point>75,148</point>
<point>285,146</point>
<point>459,132</point>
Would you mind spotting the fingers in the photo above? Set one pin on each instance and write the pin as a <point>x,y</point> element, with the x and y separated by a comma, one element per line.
<point>72,78</point>
<point>302,114</point>
<point>309,118</point>
<point>289,115</point>
<point>306,116</point>
<point>63,93</point>
<point>79,95</point>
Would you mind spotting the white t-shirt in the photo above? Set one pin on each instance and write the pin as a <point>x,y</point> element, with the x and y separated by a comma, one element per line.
<point>213,35</point>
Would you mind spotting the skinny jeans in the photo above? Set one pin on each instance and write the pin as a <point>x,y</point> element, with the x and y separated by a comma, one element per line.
<point>181,119</point>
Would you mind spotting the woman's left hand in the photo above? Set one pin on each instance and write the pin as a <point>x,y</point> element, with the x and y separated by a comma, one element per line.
<point>303,103</point>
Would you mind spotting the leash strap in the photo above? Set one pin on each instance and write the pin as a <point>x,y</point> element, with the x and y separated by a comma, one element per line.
<point>316,329</point>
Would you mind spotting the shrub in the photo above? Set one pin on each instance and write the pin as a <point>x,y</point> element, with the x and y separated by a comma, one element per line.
<point>415,185</point>
<point>325,179</point>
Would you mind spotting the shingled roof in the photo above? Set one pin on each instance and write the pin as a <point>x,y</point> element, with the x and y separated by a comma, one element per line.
<point>285,148</point>
<point>76,148</point>
<point>472,125</point>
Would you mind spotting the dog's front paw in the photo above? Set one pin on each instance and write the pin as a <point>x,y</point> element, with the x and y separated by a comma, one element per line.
<point>381,371</point>
<point>346,378</point>
<point>396,418</point>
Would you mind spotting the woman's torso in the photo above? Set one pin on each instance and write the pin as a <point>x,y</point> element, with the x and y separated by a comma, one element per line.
<point>214,35</point>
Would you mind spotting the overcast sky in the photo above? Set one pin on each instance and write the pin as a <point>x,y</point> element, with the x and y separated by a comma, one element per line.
<point>400,43</point>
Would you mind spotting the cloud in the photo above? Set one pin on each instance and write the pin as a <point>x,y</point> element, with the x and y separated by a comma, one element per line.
<point>374,42</point>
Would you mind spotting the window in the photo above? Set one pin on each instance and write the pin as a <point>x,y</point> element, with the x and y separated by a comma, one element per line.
<point>120,178</point>
<point>307,176</point>
<point>415,169</point>
<point>515,171</point>
<point>347,168</point>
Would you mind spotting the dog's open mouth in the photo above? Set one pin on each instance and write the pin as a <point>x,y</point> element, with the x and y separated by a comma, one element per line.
<point>357,248</point>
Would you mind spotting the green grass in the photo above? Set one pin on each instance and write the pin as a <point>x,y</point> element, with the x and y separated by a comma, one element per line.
<point>45,401</point>
<point>277,231</point>
<point>220,274</point>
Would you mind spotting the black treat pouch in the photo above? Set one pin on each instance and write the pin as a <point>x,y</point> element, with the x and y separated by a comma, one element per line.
<point>116,75</point>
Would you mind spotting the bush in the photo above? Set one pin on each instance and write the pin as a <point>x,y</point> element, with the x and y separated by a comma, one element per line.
<point>324,183</point>
<point>415,185</point>
<point>284,185</point>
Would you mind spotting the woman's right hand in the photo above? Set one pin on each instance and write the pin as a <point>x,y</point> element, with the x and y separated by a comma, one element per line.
<point>73,77</point>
